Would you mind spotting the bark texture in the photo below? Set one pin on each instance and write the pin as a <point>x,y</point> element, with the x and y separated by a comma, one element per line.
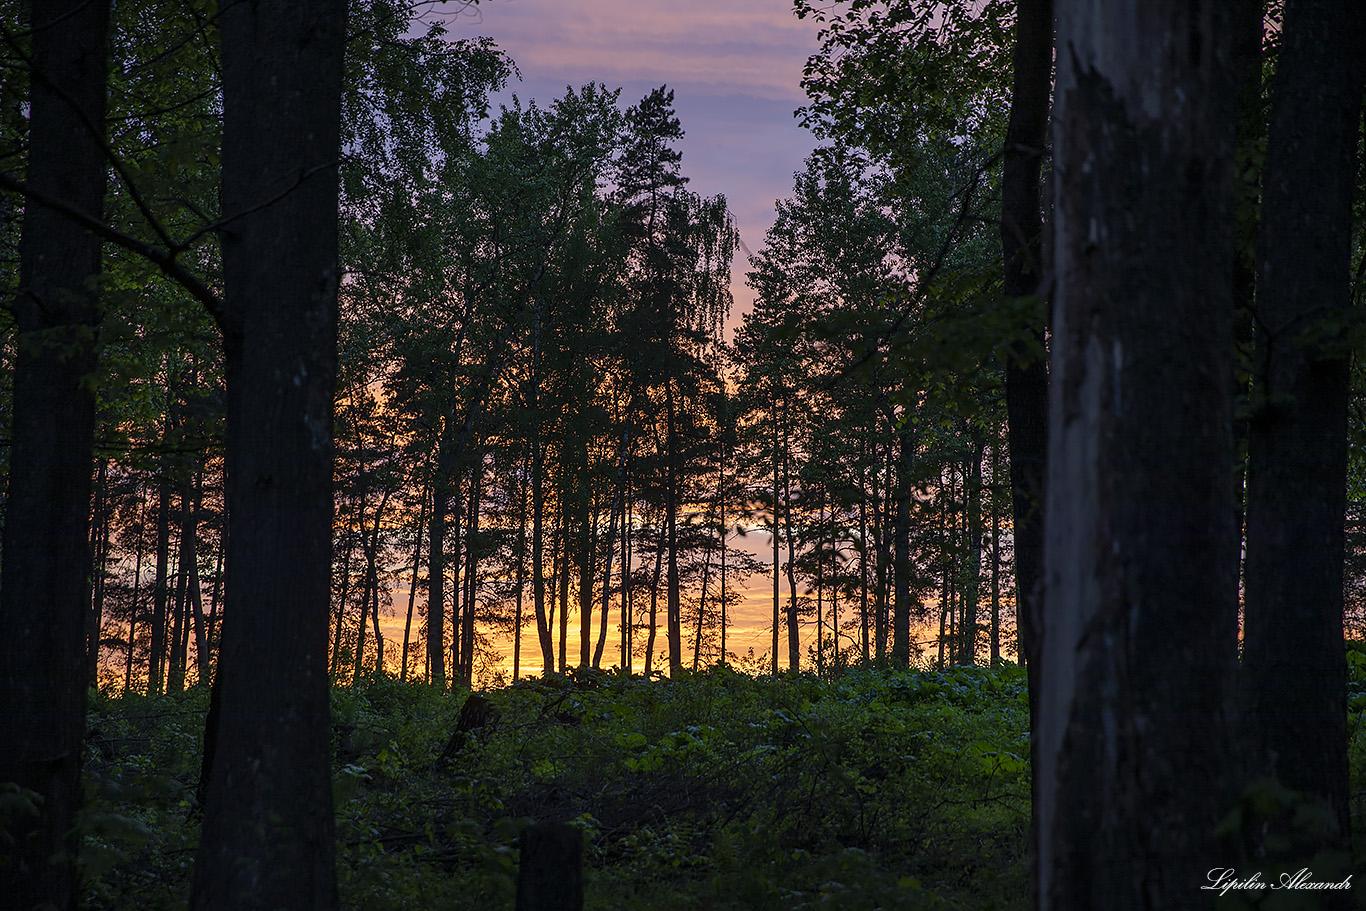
<point>47,561</point>
<point>1294,666</point>
<point>268,826</point>
<point>1139,613</point>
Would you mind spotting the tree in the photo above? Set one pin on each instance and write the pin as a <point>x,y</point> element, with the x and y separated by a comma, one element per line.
<point>46,555</point>
<point>411,211</point>
<point>1140,612</point>
<point>1022,252</point>
<point>681,249</point>
<point>1294,672</point>
<point>268,826</point>
<point>1027,371</point>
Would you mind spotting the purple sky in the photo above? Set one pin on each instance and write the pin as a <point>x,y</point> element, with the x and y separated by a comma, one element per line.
<point>734,65</point>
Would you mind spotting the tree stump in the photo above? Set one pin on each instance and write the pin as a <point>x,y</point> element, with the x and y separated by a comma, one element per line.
<point>477,712</point>
<point>550,877</point>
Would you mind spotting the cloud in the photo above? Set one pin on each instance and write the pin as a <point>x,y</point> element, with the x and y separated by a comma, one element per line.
<point>757,46</point>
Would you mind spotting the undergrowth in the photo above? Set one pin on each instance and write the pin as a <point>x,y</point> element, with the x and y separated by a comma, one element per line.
<point>877,789</point>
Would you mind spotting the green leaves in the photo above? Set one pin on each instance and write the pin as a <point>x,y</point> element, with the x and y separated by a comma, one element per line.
<point>898,77</point>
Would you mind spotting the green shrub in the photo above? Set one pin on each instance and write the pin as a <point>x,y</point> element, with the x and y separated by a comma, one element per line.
<point>878,789</point>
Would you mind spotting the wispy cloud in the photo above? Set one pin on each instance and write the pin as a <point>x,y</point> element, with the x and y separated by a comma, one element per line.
<point>755,47</point>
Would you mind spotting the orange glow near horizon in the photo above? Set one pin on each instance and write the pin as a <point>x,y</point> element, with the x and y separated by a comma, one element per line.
<point>749,636</point>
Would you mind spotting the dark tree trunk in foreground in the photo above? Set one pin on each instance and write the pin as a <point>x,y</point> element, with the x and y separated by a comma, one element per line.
<point>45,596</point>
<point>550,876</point>
<point>1027,373</point>
<point>1294,666</point>
<point>1137,666</point>
<point>268,826</point>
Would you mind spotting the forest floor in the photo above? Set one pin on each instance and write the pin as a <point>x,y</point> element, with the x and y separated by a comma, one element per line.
<point>874,789</point>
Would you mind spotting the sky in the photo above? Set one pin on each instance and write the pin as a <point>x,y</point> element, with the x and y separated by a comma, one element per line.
<point>735,67</point>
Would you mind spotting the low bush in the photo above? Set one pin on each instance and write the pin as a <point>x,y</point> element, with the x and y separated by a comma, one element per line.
<point>878,789</point>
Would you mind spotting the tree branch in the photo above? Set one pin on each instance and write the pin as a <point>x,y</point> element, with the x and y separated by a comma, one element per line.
<point>163,258</point>
<point>96,134</point>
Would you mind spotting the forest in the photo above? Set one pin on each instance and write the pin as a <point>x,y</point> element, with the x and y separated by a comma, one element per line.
<point>389,470</point>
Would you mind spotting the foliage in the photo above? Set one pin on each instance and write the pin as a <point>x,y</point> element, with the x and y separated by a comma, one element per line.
<point>871,789</point>
<point>874,789</point>
<point>1356,738</point>
<point>140,820</point>
<point>900,76</point>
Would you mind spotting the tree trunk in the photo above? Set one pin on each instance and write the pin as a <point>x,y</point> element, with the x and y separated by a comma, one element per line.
<point>412,584</point>
<point>701,612</point>
<point>46,562</point>
<point>194,593</point>
<point>1026,386</point>
<point>156,658</point>
<point>724,605</point>
<point>1026,372</point>
<point>973,576</point>
<point>586,551</point>
<point>947,529</point>
<point>521,576</point>
<point>777,616</point>
<point>1133,750</point>
<point>1249,163</point>
<point>339,620</point>
<point>995,555</point>
<point>562,581</point>
<point>794,626</point>
<point>183,642</point>
<point>99,548</point>
<point>674,618</point>
<point>543,629</point>
<point>436,566</point>
<point>654,605</point>
<point>211,633</point>
<point>186,565</point>
<point>363,615</point>
<point>880,546</point>
<point>618,505</point>
<point>267,840</point>
<point>137,587</point>
<point>369,602</point>
<point>627,603</point>
<point>457,591</point>
<point>609,552</point>
<point>901,570</point>
<point>818,582</point>
<point>471,611</point>
<point>1294,665</point>
<point>863,494</point>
